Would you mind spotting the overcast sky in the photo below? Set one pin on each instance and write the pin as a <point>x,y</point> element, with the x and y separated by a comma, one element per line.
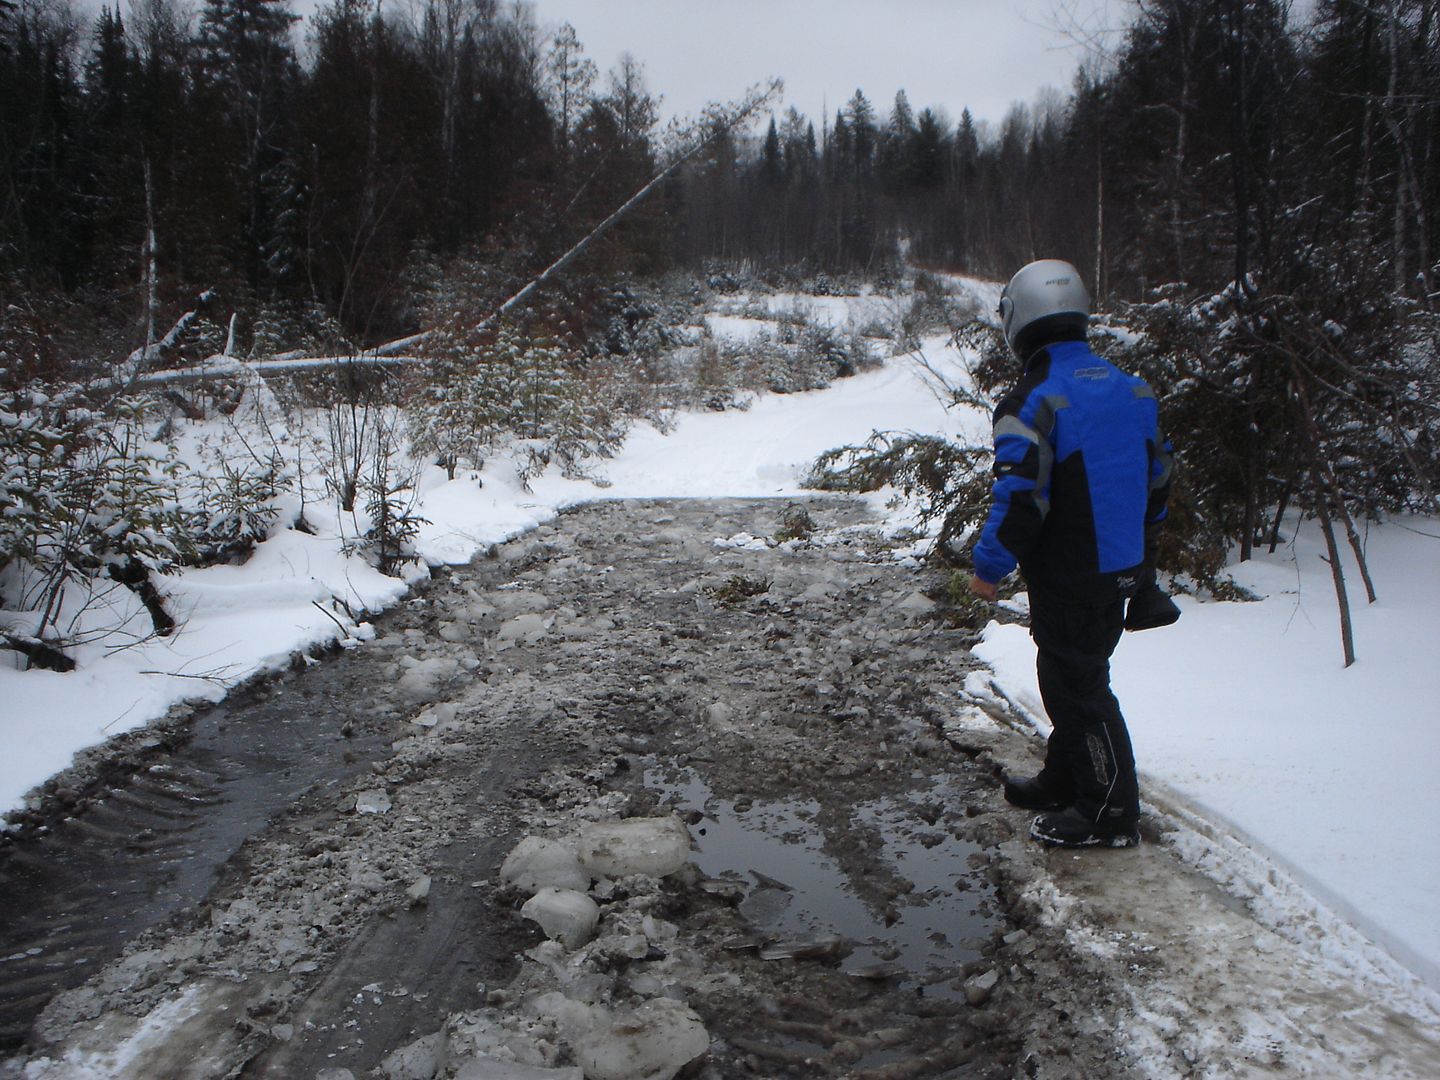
<point>951,54</point>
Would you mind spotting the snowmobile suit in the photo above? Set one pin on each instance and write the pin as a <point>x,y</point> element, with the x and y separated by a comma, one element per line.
<point>1082,477</point>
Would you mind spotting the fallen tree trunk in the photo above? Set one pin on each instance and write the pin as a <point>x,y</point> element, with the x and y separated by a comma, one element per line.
<point>218,367</point>
<point>133,574</point>
<point>41,654</point>
<point>396,352</point>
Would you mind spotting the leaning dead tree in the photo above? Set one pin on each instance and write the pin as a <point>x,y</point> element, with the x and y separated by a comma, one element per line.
<point>717,123</point>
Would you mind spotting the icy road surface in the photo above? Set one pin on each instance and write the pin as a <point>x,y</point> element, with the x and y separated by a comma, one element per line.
<point>859,900</point>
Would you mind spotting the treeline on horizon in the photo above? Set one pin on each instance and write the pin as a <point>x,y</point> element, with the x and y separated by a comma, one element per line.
<point>165,151</point>
<point>1254,202</point>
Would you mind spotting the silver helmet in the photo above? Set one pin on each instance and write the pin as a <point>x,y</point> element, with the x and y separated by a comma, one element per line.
<point>1043,290</point>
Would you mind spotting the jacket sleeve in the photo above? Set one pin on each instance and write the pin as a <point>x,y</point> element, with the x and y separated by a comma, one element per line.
<point>1020,496</point>
<point>1157,505</point>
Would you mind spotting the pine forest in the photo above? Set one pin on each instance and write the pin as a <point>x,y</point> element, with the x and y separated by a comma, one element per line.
<point>1252,194</point>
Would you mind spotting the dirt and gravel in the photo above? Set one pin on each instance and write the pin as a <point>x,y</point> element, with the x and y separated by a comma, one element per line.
<point>859,901</point>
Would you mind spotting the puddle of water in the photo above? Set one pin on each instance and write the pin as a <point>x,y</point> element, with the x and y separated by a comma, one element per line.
<point>70,898</point>
<point>775,844</point>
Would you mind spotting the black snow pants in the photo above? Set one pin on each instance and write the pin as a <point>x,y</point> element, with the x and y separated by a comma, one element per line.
<point>1088,757</point>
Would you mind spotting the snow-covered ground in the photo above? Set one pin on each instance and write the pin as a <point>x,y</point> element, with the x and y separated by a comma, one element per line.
<point>1246,712</point>
<point>1242,714</point>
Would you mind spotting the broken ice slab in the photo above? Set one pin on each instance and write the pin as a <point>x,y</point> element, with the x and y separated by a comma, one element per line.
<point>375,801</point>
<point>420,1058</point>
<point>824,947</point>
<point>565,915</point>
<point>419,891</point>
<point>742,944</point>
<point>421,680</point>
<point>443,713</point>
<point>654,1042</point>
<point>879,971</point>
<point>727,889</point>
<point>528,629</point>
<point>765,881</point>
<point>491,1068</point>
<point>653,846</point>
<point>764,908</point>
<point>536,862</point>
<point>978,988</point>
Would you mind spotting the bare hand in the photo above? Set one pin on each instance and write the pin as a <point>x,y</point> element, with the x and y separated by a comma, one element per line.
<point>984,589</point>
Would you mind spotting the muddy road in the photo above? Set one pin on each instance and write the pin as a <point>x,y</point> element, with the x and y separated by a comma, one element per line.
<point>858,900</point>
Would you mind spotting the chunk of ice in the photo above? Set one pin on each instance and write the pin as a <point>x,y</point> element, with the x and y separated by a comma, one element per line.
<point>491,1068</point>
<point>654,1042</point>
<point>654,846</point>
<point>420,1060</point>
<point>443,713</point>
<point>536,862</point>
<point>374,801</point>
<point>420,680</point>
<point>528,628</point>
<point>565,915</point>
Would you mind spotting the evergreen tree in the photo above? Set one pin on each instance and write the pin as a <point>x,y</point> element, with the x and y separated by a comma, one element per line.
<point>570,80</point>
<point>925,152</point>
<point>368,119</point>
<point>616,151</point>
<point>863,137</point>
<point>44,222</point>
<point>797,141</point>
<point>893,159</point>
<point>115,175</point>
<point>248,74</point>
<point>772,161</point>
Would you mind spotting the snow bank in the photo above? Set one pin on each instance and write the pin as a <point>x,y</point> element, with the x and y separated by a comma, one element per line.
<point>1246,711</point>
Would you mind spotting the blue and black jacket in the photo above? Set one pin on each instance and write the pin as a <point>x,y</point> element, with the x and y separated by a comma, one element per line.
<point>1082,478</point>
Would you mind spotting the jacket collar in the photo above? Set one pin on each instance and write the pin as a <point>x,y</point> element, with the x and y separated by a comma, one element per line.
<point>1058,350</point>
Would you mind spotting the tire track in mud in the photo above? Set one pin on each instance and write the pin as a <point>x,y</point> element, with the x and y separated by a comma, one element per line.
<point>138,833</point>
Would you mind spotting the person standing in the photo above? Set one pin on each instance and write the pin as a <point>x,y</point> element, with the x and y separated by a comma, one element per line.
<point>1082,478</point>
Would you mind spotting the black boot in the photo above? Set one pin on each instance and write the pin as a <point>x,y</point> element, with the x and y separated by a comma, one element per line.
<point>1031,794</point>
<point>1070,828</point>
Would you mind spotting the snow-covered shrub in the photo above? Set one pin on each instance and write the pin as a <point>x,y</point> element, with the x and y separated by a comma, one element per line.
<point>946,482</point>
<point>87,497</point>
<point>1229,411</point>
<point>492,389</point>
<point>800,355</point>
<point>297,326</point>
<point>932,308</point>
<point>795,524</point>
<point>726,278</point>
<point>636,321</point>
<point>764,364</point>
<point>842,353</point>
<point>236,507</point>
<point>714,383</point>
<point>449,422</point>
<point>390,498</point>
